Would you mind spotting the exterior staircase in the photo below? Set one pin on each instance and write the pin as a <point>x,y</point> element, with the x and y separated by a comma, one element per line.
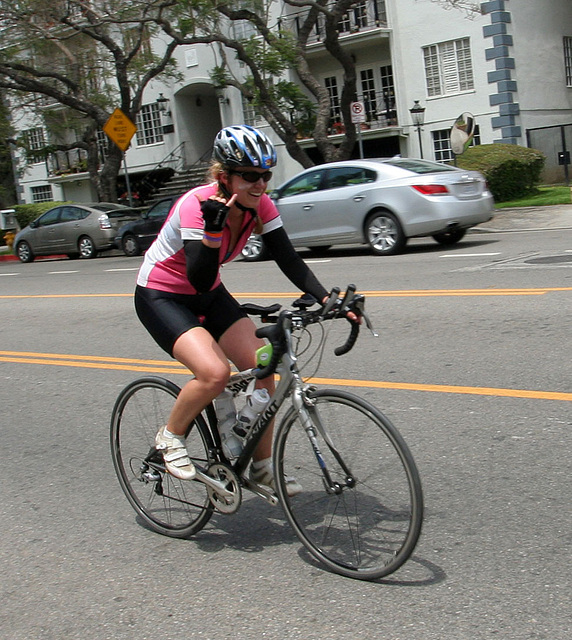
<point>183,180</point>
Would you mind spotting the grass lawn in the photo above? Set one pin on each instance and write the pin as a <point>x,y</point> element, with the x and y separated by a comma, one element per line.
<point>545,196</point>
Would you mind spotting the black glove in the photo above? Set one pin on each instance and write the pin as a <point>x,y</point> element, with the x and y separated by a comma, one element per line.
<point>215,214</point>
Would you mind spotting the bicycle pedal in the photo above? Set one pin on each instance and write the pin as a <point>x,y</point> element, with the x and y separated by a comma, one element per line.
<point>150,476</point>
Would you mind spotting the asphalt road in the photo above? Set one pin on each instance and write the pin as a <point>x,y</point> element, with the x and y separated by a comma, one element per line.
<point>473,366</point>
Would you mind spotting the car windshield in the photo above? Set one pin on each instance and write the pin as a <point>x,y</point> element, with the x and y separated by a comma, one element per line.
<point>419,166</point>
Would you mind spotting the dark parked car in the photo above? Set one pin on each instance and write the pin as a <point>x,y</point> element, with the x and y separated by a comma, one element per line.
<point>78,230</point>
<point>381,203</point>
<point>137,236</point>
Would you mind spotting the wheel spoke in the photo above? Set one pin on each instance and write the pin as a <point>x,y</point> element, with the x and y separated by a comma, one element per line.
<point>368,529</point>
<point>168,505</point>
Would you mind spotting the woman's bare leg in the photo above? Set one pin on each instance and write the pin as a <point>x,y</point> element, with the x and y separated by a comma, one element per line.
<point>199,352</point>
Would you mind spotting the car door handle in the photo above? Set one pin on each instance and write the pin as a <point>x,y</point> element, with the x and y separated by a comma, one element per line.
<point>307,207</point>
<point>358,198</point>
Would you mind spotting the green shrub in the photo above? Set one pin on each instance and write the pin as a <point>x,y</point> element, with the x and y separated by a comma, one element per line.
<point>25,213</point>
<point>511,171</point>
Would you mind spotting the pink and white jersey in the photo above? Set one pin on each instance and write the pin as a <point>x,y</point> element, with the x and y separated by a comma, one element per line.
<point>164,266</point>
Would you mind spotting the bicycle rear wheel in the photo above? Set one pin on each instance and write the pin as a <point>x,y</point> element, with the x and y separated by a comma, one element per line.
<point>364,522</point>
<point>170,506</point>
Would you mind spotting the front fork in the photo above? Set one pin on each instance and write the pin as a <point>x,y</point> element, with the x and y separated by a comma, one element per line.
<point>310,419</point>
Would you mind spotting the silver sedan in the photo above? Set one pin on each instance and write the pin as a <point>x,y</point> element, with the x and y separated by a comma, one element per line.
<point>77,230</point>
<point>381,203</point>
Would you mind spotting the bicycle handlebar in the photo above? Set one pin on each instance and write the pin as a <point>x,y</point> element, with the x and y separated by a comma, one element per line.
<point>332,308</point>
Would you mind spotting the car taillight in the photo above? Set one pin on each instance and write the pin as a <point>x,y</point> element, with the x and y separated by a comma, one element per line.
<point>104,222</point>
<point>431,189</point>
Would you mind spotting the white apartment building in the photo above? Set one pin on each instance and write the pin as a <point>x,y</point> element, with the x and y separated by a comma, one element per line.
<point>510,66</point>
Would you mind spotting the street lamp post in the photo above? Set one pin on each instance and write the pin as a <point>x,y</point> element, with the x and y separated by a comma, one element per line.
<point>418,116</point>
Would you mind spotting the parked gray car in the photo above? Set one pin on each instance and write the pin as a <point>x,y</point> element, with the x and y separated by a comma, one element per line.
<point>77,230</point>
<point>378,202</point>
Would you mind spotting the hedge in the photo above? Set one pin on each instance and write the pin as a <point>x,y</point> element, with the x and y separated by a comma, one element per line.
<point>25,213</point>
<point>511,171</point>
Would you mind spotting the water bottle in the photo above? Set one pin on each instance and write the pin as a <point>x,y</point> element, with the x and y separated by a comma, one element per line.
<point>226,417</point>
<point>254,406</point>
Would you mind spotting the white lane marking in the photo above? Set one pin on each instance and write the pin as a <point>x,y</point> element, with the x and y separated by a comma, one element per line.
<point>316,261</point>
<point>9,274</point>
<point>58,272</point>
<point>126,269</point>
<point>468,255</point>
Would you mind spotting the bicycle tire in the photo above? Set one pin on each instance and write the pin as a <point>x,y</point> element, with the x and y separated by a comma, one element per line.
<point>366,531</point>
<point>169,506</point>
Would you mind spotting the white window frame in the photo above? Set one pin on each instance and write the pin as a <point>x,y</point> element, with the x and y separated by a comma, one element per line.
<point>35,140</point>
<point>149,127</point>
<point>331,84</point>
<point>442,143</point>
<point>42,193</point>
<point>249,115</point>
<point>448,67</point>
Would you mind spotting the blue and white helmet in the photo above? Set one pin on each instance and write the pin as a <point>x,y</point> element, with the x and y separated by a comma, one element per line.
<point>244,146</point>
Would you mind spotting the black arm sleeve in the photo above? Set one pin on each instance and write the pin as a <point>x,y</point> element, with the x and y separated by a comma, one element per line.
<point>291,265</point>
<point>202,264</point>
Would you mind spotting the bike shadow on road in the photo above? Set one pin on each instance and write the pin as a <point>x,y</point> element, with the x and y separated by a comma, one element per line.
<point>257,526</point>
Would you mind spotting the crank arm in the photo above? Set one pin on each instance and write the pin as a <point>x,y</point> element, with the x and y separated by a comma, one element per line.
<point>259,491</point>
<point>216,485</point>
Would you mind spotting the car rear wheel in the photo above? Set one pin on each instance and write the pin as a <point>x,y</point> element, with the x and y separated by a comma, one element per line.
<point>384,233</point>
<point>450,237</point>
<point>130,245</point>
<point>86,247</point>
<point>254,249</point>
<point>24,252</point>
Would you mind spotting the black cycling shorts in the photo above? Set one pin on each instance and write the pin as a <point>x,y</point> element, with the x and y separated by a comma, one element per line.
<point>166,316</point>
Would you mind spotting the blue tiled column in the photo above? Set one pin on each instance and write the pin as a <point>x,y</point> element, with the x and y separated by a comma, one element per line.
<point>506,87</point>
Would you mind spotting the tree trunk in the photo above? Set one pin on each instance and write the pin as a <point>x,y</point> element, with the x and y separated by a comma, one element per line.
<point>106,181</point>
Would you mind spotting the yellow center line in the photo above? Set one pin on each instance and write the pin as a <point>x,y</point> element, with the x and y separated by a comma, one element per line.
<point>172,367</point>
<point>295,294</point>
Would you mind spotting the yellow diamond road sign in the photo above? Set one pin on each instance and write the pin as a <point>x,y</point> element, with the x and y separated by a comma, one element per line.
<point>120,129</point>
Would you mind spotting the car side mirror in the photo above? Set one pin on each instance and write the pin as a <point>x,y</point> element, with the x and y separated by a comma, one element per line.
<point>274,195</point>
<point>34,224</point>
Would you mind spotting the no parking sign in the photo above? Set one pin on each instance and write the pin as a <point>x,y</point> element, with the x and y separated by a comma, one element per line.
<point>358,112</point>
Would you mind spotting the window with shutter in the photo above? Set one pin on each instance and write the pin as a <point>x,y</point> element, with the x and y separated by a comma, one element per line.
<point>448,67</point>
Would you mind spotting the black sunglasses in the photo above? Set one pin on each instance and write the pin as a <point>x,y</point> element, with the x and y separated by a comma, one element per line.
<point>253,176</point>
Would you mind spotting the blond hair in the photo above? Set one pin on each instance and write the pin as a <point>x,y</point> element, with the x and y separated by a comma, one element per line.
<point>214,172</point>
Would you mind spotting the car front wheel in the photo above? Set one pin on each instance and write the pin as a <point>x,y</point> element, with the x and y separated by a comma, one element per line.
<point>130,245</point>
<point>86,247</point>
<point>24,252</point>
<point>384,233</point>
<point>254,249</point>
<point>450,237</point>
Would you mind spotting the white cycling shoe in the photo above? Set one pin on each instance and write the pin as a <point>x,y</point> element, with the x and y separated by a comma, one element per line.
<point>175,455</point>
<point>265,477</point>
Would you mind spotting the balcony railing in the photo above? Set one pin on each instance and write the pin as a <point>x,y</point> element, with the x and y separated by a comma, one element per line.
<point>61,163</point>
<point>365,16</point>
<point>380,112</point>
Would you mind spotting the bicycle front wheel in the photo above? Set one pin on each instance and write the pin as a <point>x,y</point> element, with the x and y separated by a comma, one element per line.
<point>170,506</point>
<point>361,508</point>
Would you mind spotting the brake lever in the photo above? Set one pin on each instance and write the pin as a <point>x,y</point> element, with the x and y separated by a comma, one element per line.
<point>359,306</point>
<point>348,297</point>
<point>369,325</point>
<point>331,301</point>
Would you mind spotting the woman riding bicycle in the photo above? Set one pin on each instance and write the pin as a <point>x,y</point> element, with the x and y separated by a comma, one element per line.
<point>183,304</point>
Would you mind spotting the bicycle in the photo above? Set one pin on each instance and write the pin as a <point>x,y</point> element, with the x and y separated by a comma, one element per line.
<point>361,509</point>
